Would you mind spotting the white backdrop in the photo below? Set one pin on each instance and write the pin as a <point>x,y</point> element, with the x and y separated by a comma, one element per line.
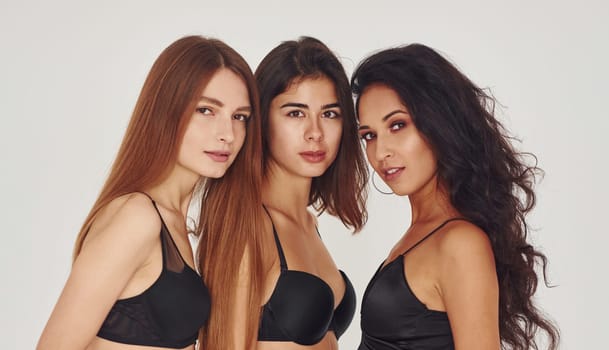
<point>70,73</point>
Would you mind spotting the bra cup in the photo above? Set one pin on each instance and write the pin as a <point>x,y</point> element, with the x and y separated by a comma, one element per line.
<point>343,315</point>
<point>393,318</point>
<point>181,309</point>
<point>302,306</point>
<point>120,322</point>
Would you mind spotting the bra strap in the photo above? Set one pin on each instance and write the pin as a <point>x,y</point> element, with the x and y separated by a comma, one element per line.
<point>154,205</point>
<point>164,235</point>
<point>282,262</point>
<point>431,233</point>
<point>147,195</point>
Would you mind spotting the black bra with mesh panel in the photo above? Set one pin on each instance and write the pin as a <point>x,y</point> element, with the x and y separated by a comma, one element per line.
<point>167,314</point>
<point>301,308</point>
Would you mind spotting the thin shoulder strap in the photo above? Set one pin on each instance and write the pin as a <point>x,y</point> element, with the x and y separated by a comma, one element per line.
<point>154,205</point>
<point>282,261</point>
<point>163,228</point>
<point>431,233</point>
<point>147,195</point>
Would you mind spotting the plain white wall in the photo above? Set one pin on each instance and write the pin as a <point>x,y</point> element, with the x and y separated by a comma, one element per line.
<point>70,73</point>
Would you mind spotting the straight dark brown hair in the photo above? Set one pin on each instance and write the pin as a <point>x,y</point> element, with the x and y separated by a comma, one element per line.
<point>341,190</point>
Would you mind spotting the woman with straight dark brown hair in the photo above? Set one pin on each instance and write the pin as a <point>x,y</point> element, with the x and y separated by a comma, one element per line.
<point>133,284</point>
<point>287,292</point>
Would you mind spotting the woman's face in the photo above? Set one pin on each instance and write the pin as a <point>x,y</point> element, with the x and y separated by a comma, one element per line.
<point>394,147</point>
<point>216,131</point>
<point>305,127</point>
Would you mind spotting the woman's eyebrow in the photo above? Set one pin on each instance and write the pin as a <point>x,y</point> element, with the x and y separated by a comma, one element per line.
<point>295,104</point>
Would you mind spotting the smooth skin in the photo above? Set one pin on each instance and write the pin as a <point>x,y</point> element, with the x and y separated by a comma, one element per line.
<point>121,256</point>
<point>454,270</point>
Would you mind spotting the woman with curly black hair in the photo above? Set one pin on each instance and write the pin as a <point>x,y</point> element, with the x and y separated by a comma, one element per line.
<point>463,275</point>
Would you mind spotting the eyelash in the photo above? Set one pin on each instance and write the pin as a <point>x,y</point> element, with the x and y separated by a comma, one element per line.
<point>241,117</point>
<point>203,109</point>
<point>324,114</point>
<point>367,136</point>
<point>395,126</point>
<point>209,111</point>
<point>295,114</point>
<point>334,114</point>
<point>399,124</point>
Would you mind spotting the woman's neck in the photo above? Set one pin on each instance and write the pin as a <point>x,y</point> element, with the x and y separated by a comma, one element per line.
<point>287,193</point>
<point>431,203</point>
<point>175,192</point>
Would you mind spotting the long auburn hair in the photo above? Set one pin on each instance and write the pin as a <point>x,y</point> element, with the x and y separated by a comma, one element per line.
<point>341,190</point>
<point>488,181</point>
<point>229,224</point>
<point>166,102</point>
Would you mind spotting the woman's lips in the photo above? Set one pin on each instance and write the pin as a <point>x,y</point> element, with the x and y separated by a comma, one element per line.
<point>392,173</point>
<point>218,156</point>
<point>313,156</point>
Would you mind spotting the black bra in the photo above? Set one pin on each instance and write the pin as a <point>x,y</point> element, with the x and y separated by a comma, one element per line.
<point>167,314</point>
<point>393,318</point>
<point>301,308</point>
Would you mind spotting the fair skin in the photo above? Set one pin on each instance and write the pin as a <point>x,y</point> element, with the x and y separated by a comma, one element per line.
<point>305,133</point>
<point>454,270</point>
<point>129,226</point>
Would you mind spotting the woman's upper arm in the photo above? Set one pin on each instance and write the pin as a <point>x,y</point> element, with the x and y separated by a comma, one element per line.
<point>469,289</point>
<point>108,260</point>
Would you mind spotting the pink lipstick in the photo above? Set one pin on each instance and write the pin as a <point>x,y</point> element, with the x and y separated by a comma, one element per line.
<point>313,156</point>
<point>390,174</point>
<point>218,156</point>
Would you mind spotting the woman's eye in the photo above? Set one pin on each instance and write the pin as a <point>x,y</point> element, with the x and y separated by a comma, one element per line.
<point>295,114</point>
<point>397,126</point>
<point>367,136</point>
<point>241,117</point>
<point>204,110</point>
<point>330,114</point>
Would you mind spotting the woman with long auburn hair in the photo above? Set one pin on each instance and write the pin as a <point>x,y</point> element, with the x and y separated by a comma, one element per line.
<point>286,291</point>
<point>133,284</point>
<point>463,275</point>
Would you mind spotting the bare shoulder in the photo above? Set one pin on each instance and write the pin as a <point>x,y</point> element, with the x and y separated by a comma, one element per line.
<point>132,215</point>
<point>464,242</point>
<point>468,286</point>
